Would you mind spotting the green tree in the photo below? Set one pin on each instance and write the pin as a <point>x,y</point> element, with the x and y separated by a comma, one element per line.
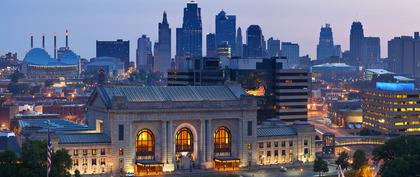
<point>320,166</point>
<point>399,156</point>
<point>16,76</point>
<point>61,163</point>
<point>8,163</point>
<point>343,160</point>
<point>77,173</point>
<point>359,159</point>
<point>34,157</point>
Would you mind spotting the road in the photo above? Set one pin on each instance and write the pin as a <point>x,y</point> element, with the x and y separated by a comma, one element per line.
<point>301,172</point>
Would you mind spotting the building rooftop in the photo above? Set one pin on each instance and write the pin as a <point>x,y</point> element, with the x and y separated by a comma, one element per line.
<point>338,65</point>
<point>82,138</point>
<point>56,125</point>
<point>275,131</point>
<point>379,71</point>
<point>38,56</point>
<point>8,141</point>
<point>172,93</point>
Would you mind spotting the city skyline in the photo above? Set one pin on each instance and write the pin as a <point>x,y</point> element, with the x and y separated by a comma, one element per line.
<point>131,19</point>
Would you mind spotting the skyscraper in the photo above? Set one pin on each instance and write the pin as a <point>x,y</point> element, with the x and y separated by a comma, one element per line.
<point>325,48</point>
<point>118,49</point>
<point>290,51</point>
<point>356,39</point>
<point>225,29</point>
<point>163,53</point>
<point>189,37</point>
<point>273,47</point>
<point>144,56</point>
<point>254,41</point>
<point>211,45</point>
<point>370,52</point>
<point>404,53</point>
<point>239,44</point>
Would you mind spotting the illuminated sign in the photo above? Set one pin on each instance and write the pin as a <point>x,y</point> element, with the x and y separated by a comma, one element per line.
<point>395,86</point>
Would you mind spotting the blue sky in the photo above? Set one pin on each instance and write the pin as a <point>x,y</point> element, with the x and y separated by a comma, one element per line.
<point>288,20</point>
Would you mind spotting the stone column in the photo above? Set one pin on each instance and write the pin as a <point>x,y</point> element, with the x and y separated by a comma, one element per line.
<point>209,145</point>
<point>164,146</point>
<point>203,140</point>
<point>169,164</point>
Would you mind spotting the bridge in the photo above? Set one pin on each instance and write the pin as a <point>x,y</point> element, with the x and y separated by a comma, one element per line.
<point>330,141</point>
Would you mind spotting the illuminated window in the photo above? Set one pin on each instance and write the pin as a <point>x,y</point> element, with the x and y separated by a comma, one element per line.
<point>222,141</point>
<point>145,143</point>
<point>75,152</point>
<point>93,151</point>
<point>121,151</point>
<point>102,151</point>
<point>249,146</point>
<point>184,140</point>
<point>85,152</point>
<point>261,145</point>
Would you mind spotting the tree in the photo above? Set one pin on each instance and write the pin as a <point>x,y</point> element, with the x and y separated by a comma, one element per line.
<point>77,173</point>
<point>365,171</point>
<point>359,159</point>
<point>343,160</point>
<point>8,163</point>
<point>34,157</point>
<point>16,76</point>
<point>61,163</point>
<point>320,166</point>
<point>399,157</point>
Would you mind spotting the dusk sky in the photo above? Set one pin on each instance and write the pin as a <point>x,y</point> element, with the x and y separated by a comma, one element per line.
<point>288,20</point>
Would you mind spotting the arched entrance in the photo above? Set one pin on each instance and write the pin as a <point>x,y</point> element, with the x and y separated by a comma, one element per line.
<point>145,153</point>
<point>223,159</point>
<point>184,149</point>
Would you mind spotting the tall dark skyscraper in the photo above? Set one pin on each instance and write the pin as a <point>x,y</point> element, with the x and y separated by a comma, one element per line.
<point>356,39</point>
<point>404,52</point>
<point>254,41</point>
<point>239,44</point>
<point>144,56</point>
<point>189,37</point>
<point>211,45</point>
<point>325,48</point>
<point>370,52</point>
<point>163,54</point>
<point>273,47</point>
<point>118,49</point>
<point>226,29</point>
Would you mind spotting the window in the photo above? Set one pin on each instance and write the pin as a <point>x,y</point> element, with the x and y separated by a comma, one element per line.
<point>283,144</point>
<point>93,161</point>
<point>268,144</point>
<point>102,161</point>
<point>85,152</point>
<point>184,140</point>
<point>75,162</point>
<point>249,128</point>
<point>305,151</point>
<point>121,151</point>
<point>261,145</point>
<point>93,151</point>
<point>145,144</point>
<point>249,146</point>
<point>276,144</point>
<point>276,153</point>
<point>283,152</point>
<point>84,162</point>
<point>290,143</point>
<point>305,142</point>
<point>120,132</point>
<point>76,152</point>
<point>222,140</point>
<point>268,153</point>
<point>102,151</point>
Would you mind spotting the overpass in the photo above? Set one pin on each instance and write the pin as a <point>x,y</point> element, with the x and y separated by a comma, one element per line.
<point>330,141</point>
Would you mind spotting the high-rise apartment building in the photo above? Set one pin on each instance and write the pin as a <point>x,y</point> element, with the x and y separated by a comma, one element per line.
<point>163,47</point>
<point>254,41</point>
<point>325,47</point>
<point>273,47</point>
<point>370,52</point>
<point>189,37</point>
<point>226,29</point>
<point>211,47</point>
<point>404,54</point>
<point>292,94</point>
<point>118,49</point>
<point>356,40</point>
<point>290,51</point>
<point>144,55</point>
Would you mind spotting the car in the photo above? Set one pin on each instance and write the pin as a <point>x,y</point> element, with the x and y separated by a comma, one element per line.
<point>129,174</point>
<point>283,169</point>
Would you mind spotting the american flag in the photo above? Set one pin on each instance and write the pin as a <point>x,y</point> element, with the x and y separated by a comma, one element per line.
<point>49,153</point>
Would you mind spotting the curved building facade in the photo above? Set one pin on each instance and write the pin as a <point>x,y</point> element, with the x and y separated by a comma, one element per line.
<point>38,64</point>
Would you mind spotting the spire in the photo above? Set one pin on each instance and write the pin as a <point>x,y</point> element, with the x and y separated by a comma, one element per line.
<point>32,41</point>
<point>67,39</point>
<point>165,20</point>
<point>55,46</point>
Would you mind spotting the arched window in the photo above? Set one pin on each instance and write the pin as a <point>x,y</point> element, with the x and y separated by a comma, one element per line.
<point>222,140</point>
<point>145,144</point>
<point>184,140</point>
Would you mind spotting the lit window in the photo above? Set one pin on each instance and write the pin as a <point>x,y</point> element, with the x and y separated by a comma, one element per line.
<point>222,140</point>
<point>145,144</point>
<point>121,151</point>
<point>184,140</point>
<point>93,151</point>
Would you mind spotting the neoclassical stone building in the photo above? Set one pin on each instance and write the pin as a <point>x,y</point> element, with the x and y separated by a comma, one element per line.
<point>158,129</point>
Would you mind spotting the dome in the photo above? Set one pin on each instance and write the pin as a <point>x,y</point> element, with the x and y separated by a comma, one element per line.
<point>70,58</point>
<point>37,56</point>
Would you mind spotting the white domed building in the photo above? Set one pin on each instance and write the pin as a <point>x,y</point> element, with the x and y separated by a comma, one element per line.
<point>38,64</point>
